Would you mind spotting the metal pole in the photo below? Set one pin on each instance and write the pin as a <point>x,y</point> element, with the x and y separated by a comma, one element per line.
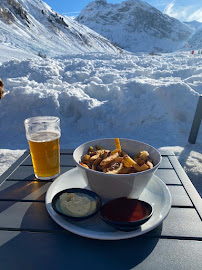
<point>196,122</point>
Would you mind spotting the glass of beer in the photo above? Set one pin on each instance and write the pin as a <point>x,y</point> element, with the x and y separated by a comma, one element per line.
<point>43,135</point>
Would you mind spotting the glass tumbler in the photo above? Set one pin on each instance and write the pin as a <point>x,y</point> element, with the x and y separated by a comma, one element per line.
<point>43,135</point>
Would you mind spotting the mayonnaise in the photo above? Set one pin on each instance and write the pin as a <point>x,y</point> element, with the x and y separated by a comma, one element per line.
<point>76,205</point>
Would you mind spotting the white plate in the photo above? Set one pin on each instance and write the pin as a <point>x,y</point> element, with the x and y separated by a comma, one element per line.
<point>156,193</point>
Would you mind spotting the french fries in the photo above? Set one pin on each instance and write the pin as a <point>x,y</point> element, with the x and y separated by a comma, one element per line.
<point>116,161</point>
<point>105,162</point>
<point>143,155</point>
<point>115,151</point>
<point>129,162</point>
<point>117,143</point>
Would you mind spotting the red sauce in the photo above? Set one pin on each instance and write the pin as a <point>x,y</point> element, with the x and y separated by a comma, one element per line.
<point>124,210</point>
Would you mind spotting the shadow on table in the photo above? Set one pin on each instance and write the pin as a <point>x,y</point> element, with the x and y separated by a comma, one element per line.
<point>53,247</point>
<point>68,251</point>
<point>28,189</point>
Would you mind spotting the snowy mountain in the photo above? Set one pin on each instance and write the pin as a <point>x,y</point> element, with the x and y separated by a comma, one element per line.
<point>32,27</point>
<point>195,42</point>
<point>135,26</point>
<point>194,24</point>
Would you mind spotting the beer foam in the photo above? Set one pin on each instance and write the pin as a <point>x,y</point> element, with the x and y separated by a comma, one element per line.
<point>44,136</point>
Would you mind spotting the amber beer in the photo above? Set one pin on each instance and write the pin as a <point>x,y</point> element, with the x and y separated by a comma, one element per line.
<point>45,153</point>
<point>43,135</point>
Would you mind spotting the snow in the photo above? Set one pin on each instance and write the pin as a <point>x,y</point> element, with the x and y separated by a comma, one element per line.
<point>47,32</point>
<point>151,98</point>
<point>136,26</point>
<point>95,89</point>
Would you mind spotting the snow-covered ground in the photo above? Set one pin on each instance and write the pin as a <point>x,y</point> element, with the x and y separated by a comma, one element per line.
<point>97,95</point>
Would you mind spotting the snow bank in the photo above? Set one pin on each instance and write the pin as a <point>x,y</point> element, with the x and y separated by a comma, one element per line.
<point>143,97</point>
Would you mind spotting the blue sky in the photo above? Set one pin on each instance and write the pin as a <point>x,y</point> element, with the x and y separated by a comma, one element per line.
<point>183,10</point>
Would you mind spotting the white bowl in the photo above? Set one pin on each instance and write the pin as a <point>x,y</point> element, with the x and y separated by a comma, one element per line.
<point>112,186</point>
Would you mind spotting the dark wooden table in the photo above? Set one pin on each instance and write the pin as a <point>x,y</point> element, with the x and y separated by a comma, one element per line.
<point>30,239</point>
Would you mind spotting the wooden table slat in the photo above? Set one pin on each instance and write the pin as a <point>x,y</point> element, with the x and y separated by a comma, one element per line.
<point>50,250</point>
<point>65,160</point>
<point>24,190</point>
<point>26,173</point>
<point>168,176</point>
<point>165,164</point>
<point>34,216</point>
<point>36,191</point>
<point>179,196</point>
<point>190,189</point>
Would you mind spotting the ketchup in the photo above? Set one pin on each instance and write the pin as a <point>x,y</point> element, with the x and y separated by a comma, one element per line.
<point>124,210</point>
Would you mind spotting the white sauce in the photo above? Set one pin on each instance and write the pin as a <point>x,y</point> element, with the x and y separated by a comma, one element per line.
<point>76,205</point>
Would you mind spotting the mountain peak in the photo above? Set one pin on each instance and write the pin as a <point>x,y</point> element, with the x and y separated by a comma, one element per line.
<point>135,25</point>
<point>32,26</point>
